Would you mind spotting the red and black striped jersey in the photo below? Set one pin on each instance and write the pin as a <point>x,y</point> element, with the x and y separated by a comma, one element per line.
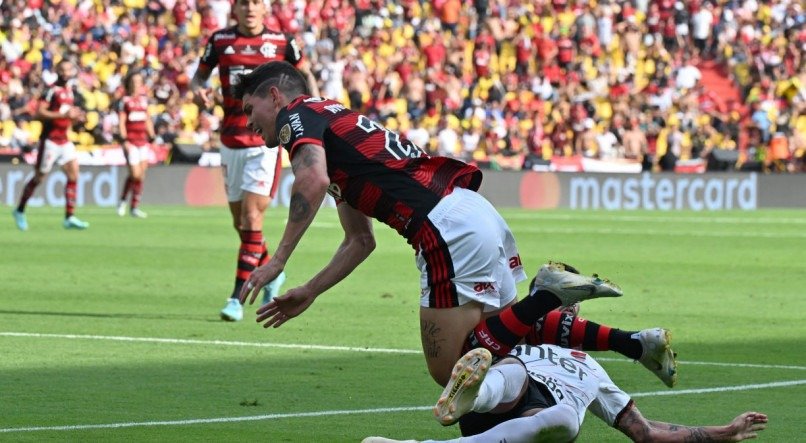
<point>60,99</point>
<point>135,110</point>
<point>235,53</point>
<point>375,170</point>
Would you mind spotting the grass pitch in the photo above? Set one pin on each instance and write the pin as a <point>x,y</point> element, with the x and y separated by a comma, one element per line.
<point>113,333</point>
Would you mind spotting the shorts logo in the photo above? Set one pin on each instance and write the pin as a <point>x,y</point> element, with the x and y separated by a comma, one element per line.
<point>334,190</point>
<point>484,287</point>
<point>285,134</point>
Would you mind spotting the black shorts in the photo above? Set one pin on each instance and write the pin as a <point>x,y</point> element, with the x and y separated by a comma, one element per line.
<point>537,396</point>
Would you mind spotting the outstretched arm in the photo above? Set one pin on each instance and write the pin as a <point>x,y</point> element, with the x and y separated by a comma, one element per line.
<point>639,429</point>
<point>307,192</point>
<point>358,243</point>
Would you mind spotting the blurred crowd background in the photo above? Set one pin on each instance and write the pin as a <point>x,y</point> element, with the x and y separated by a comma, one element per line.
<point>507,84</point>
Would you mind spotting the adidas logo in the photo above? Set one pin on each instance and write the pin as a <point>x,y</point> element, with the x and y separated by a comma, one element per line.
<point>229,51</point>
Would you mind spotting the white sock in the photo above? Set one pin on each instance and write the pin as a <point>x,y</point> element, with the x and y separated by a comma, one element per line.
<point>502,384</point>
<point>558,423</point>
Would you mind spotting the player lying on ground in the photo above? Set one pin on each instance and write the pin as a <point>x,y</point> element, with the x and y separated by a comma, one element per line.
<point>467,257</point>
<point>541,393</point>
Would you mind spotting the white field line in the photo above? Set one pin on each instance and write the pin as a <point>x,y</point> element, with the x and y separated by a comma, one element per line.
<point>183,341</point>
<point>198,421</point>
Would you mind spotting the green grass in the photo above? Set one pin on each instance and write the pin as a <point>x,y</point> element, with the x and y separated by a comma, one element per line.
<point>727,284</point>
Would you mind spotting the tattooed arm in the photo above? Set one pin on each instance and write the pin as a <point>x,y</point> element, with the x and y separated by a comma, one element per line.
<point>307,192</point>
<point>639,429</point>
<point>310,185</point>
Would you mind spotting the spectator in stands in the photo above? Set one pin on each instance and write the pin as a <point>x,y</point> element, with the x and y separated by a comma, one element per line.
<point>559,49</point>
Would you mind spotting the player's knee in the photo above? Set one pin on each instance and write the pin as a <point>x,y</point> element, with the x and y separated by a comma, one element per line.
<point>558,423</point>
<point>251,219</point>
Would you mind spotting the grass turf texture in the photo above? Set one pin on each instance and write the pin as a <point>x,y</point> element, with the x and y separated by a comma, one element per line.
<point>727,284</point>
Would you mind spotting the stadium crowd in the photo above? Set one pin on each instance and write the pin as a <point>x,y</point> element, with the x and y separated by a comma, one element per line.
<point>504,83</point>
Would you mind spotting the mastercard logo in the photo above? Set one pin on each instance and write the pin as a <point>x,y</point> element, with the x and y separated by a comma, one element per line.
<point>540,190</point>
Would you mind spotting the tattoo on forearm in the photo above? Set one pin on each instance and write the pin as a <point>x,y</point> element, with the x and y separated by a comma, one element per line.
<point>635,426</point>
<point>684,433</point>
<point>299,208</point>
<point>305,158</point>
<point>432,344</point>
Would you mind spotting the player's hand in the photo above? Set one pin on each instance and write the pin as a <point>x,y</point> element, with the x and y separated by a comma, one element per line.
<point>747,425</point>
<point>204,98</point>
<point>76,114</point>
<point>283,308</point>
<point>259,278</point>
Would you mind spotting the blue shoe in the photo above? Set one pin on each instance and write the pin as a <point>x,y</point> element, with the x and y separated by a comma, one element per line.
<point>74,222</point>
<point>272,289</point>
<point>20,220</point>
<point>233,311</point>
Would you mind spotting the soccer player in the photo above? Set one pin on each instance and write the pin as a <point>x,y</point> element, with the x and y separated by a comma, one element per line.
<point>465,252</point>
<point>136,130</point>
<point>541,393</point>
<point>58,112</point>
<point>251,169</point>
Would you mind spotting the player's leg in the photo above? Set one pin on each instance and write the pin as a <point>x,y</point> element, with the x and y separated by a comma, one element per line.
<point>138,175</point>
<point>477,386</point>
<point>232,161</point>
<point>650,346</point>
<point>45,158</point>
<point>467,254</point>
<point>262,178</point>
<point>558,424</point>
<point>251,177</point>
<point>127,184</point>
<point>70,169</point>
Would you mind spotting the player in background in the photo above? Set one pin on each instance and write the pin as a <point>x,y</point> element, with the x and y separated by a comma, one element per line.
<point>465,252</point>
<point>251,169</point>
<point>541,393</point>
<point>136,132</point>
<point>58,112</point>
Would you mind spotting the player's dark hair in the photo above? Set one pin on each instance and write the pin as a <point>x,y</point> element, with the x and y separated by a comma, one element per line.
<point>129,82</point>
<point>283,75</point>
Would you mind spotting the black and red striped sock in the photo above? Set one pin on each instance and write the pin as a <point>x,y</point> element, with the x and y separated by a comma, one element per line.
<point>27,192</point>
<point>264,256</point>
<point>502,332</point>
<point>127,186</point>
<point>137,192</point>
<point>69,198</point>
<point>570,331</point>
<point>249,256</point>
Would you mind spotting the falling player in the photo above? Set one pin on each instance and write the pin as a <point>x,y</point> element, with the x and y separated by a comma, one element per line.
<point>251,169</point>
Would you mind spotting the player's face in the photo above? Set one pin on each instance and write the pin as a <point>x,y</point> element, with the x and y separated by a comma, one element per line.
<point>261,114</point>
<point>65,71</point>
<point>250,14</point>
<point>137,84</point>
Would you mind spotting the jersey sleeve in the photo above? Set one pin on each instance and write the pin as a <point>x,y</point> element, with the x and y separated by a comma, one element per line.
<point>210,57</point>
<point>298,126</point>
<point>609,403</point>
<point>293,53</point>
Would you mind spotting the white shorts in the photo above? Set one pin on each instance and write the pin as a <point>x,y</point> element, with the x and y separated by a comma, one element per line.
<point>135,154</point>
<point>51,153</point>
<point>574,378</point>
<point>471,255</point>
<point>255,170</point>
